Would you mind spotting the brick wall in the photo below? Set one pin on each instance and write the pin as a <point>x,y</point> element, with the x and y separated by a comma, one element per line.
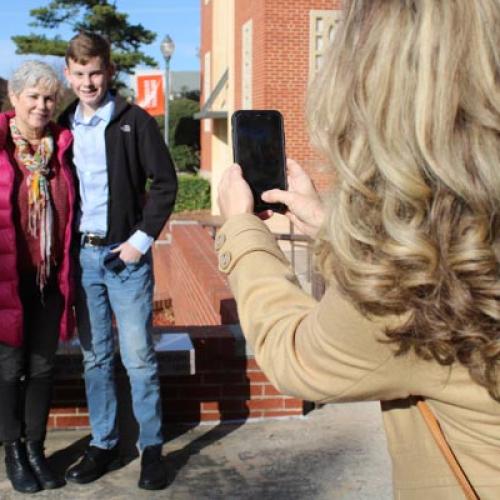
<point>281,68</point>
<point>199,293</point>
<point>244,11</point>
<point>228,385</point>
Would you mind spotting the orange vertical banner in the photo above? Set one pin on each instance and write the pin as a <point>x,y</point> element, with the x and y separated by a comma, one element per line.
<point>150,94</point>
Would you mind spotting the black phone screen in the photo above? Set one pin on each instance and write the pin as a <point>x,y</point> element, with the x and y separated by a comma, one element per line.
<point>259,148</point>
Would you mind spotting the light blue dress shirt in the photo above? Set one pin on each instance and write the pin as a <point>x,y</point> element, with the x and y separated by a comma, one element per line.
<point>89,157</point>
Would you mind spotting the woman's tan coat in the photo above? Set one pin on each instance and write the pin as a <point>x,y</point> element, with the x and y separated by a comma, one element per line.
<point>329,352</point>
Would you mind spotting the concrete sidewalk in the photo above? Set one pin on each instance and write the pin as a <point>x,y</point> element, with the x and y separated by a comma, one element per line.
<point>336,452</point>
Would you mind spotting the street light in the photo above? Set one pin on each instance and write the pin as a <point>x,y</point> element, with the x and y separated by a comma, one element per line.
<point>167,48</point>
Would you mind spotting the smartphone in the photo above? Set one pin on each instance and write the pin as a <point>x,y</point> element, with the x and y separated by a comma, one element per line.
<point>112,262</point>
<point>259,148</point>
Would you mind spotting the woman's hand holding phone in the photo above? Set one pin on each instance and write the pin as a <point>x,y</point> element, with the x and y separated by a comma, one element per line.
<point>259,149</point>
<point>235,196</point>
<point>304,206</point>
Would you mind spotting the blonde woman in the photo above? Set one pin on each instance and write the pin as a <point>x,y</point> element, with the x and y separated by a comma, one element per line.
<point>407,112</point>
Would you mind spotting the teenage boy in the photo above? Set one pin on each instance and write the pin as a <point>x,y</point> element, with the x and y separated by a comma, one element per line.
<point>117,148</point>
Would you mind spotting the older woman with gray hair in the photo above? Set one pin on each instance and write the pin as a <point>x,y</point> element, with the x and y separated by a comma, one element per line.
<point>36,199</point>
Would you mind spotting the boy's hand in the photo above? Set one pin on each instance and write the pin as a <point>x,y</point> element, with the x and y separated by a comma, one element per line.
<point>128,253</point>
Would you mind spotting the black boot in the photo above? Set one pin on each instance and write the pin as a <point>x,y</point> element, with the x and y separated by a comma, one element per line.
<point>153,474</point>
<point>95,463</point>
<point>40,466</point>
<point>18,469</point>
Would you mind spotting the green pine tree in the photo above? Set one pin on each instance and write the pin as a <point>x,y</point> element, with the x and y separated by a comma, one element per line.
<point>99,16</point>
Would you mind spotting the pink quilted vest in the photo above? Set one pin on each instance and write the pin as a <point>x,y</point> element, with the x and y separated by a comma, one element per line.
<point>11,312</point>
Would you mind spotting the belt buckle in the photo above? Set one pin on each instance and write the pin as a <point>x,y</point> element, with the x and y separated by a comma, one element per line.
<point>92,240</point>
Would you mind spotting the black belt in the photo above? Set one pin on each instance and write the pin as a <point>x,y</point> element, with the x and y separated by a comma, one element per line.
<point>93,240</point>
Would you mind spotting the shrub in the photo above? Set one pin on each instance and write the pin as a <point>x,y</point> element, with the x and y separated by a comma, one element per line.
<point>184,134</point>
<point>193,193</point>
<point>186,158</point>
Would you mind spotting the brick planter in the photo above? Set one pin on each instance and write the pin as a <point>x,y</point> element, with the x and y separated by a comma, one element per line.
<point>215,377</point>
<point>227,385</point>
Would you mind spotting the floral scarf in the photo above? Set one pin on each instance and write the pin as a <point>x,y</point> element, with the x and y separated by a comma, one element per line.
<point>40,216</point>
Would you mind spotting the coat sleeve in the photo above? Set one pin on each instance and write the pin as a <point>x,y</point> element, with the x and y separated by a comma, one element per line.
<point>320,351</point>
<point>159,167</point>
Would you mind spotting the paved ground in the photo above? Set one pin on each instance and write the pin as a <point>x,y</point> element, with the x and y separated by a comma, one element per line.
<point>336,452</point>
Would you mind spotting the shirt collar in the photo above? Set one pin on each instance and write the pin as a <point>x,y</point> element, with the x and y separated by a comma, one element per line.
<point>104,112</point>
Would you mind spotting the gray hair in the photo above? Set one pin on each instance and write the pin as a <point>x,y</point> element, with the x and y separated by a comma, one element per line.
<point>32,74</point>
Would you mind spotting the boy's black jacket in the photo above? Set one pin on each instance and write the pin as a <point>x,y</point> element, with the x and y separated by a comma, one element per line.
<point>135,151</point>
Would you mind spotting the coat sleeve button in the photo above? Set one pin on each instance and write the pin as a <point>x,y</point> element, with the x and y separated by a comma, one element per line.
<point>224,260</point>
<point>220,239</point>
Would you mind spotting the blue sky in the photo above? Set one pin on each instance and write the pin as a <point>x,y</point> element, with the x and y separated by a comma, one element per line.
<point>178,18</point>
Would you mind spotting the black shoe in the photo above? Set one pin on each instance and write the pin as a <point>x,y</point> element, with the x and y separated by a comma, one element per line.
<point>18,469</point>
<point>153,476</point>
<point>40,466</point>
<point>95,463</point>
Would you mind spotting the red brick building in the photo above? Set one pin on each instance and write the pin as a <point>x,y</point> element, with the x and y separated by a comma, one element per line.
<point>260,54</point>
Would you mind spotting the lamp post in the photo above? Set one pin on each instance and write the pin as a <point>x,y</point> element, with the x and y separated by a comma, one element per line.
<point>167,48</point>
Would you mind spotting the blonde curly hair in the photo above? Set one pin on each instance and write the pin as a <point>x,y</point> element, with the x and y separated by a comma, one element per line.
<point>407,111</point>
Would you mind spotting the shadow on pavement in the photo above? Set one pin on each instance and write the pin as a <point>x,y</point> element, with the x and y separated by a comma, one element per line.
<point>61,460</point>
<point>176,460</point>
<point>233,414</point>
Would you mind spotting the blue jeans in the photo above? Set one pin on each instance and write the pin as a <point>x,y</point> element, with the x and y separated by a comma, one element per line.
<point>129,296</point>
